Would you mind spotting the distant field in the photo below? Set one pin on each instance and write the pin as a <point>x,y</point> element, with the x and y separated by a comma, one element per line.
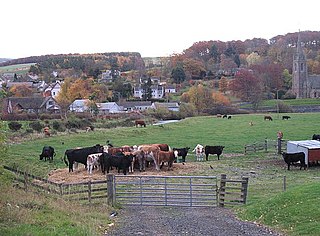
<point>18,69</point>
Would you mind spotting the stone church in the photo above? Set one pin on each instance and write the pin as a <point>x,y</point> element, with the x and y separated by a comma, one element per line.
<point>303,84</point>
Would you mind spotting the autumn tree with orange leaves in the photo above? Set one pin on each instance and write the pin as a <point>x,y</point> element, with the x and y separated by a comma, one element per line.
<point>21,91</point>
<point>247,87</point>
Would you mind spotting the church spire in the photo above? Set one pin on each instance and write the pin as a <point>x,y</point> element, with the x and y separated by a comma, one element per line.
<point>299,53</point>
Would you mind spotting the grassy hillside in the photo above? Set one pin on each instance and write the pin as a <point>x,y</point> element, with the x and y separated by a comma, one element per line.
<point>18,69</point>
<point>266,171</point>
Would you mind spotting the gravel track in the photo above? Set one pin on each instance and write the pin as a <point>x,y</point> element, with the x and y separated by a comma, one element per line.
<point>164,221</point>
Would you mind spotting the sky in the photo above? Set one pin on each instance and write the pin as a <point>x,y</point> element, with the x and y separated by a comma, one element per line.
<point>153,28</point>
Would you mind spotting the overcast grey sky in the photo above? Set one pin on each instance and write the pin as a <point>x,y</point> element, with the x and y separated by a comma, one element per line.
<point>151,27</point>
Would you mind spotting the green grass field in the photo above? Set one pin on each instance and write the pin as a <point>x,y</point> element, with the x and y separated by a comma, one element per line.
<point>18,69</point>
<point>266,171</point>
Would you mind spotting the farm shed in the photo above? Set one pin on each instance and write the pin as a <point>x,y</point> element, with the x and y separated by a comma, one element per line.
<point>311,149</point>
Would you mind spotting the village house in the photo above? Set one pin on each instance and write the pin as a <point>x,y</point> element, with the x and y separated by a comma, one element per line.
<point>14,105</point>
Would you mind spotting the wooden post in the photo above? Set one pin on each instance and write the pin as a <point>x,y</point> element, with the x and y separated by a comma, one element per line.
<point>89,191</point>
<point>60,189</point>
<point>279,146</point>
<point>222,190</point>
<point>110,189</point>
<point>244,188</point>
<point>266,145</point>
<point>25,181</point>
<point>284,183</point>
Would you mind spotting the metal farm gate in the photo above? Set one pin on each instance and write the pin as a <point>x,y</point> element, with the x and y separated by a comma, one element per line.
<point>188,191</point>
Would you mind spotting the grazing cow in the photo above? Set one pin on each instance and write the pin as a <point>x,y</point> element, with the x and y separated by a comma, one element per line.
<point>219,115</point>
<point>229,117</point>
<point>291,158</point>
<point>93,160</point>
<point>199,151</point>
<point>182,152</point>
<point>213,150</point>
<point>286,117</point>
<point>47,152</point>
<point>80,155</point>
<point>120,161</point>
<point>166,156</point>
<point>224,116</point>
<point>268,118</point>
<point>316,137</point>
<point>140,122</point>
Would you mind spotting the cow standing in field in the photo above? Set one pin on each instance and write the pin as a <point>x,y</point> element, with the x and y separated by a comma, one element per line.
<point>268,118</point>
<point>47,153</point>
<point>182,152</point>
<point>166,156</point>
<point>213,150</point>
<point>93,161</point>
<point>119,160</point>
<point>292,158</point>
<point>199,151</point>
<point>80,155</point>
<point>140,122</point>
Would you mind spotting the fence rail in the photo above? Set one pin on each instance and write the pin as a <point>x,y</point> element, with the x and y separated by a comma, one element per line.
<point>267,145</point>
<point>193,191</point>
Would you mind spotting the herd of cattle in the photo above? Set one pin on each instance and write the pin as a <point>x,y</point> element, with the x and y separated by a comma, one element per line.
<point>128,158</point>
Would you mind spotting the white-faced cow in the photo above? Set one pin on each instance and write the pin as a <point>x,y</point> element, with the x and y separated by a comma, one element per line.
<point>182,152</point>
<point>292,158</point>
<point>213,150</point>
<point>80,155</point>
<point>199,151</point>
<point>47,153</point>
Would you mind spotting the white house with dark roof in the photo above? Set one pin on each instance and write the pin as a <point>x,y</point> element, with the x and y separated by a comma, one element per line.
<point>53,89</point>
<point>171,106</point>
<point>157,91</point>
<point>108,107</point>
<point>135,105</point>
<point>79,105</point>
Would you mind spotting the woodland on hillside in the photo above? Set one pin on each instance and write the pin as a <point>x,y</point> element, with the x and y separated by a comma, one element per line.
<point>251,70</point>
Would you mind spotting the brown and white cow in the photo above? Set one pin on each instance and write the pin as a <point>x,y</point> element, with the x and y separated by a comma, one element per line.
<point>168,157</point>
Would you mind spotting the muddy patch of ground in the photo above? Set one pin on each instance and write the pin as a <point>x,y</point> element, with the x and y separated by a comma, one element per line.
<point>82,175</point>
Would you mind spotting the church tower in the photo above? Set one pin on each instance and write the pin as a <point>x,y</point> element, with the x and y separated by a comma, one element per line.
<point>299,72</point>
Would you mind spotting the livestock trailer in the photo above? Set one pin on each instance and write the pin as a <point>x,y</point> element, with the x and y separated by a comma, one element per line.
<point>311,149</point>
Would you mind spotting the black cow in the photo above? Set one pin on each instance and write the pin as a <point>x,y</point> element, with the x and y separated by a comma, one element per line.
<point>213,150</point>
<point>182,152</point>
<point>47,153</point>
<point>80,155</point>
<point>286,117</point>
<point>291,158</point>
<point>316,137</point>
<point>119,160</point>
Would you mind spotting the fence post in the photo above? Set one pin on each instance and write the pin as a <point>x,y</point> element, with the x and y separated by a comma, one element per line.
<point>244,188</point>
<point>25,181</point>
<point>279,146</point>
<point>284,183</point>
<point>89,191</point>
<point>60,189</point>
<point>266,145</point>
<point>222,190</point>
<point>110,189</point>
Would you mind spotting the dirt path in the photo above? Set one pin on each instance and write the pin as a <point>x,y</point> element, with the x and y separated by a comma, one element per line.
<point>165,221</point>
